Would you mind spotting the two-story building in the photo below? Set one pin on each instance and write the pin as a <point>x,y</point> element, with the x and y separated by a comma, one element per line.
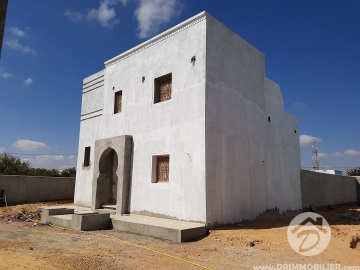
<point>186,125</point>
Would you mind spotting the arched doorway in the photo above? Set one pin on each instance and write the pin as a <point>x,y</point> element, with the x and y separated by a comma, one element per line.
<point>108,179</point>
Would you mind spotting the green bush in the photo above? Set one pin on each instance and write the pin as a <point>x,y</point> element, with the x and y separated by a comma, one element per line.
<point>353,172</point>
<point>10,165</point>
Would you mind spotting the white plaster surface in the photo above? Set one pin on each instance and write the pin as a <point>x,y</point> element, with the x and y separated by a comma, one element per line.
<point>251,164</point>
<point>227,162</point>
<point>174,127</point>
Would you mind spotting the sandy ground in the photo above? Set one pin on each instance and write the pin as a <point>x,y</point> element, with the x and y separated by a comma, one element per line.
<point>24,245</point>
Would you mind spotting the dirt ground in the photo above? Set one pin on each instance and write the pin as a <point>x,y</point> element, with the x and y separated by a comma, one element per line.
<point>26,245</point>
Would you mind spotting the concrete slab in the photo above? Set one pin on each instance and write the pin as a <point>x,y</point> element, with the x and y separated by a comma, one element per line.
<point>111,212</point>
<point>51,211</point>
<point>90,221</point>
<point>85,219</point>
<point>61,220</point>
<point>40,208</point>
<point>175,230</point>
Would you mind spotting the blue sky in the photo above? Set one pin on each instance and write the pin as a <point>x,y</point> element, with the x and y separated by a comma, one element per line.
<point>312,49</point>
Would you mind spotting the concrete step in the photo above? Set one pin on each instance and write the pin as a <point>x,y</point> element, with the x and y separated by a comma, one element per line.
<point>110,211</point>
<point>109,206</point>
<point>82,221</point>
<point>175,230</point>
<point>61,220</point>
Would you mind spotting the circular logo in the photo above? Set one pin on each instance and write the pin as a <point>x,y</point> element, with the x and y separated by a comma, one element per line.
<point>309,234</point>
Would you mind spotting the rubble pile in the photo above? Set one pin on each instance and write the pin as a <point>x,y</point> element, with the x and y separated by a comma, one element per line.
<point>28,216</point>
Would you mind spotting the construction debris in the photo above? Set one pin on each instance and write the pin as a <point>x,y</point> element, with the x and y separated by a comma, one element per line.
<point>27,217</point>
<point>351,216</point>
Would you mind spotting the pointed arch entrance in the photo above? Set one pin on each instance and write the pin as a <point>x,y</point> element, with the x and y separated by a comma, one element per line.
<point>108,165</point>
<point>111,174</point>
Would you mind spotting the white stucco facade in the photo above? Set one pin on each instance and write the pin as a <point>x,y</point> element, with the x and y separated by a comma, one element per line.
<point>227,161</point>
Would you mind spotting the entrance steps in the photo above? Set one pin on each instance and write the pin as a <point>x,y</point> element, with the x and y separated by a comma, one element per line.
<point>80,218</point>
<point>175,230</point>
<point>107,208</point>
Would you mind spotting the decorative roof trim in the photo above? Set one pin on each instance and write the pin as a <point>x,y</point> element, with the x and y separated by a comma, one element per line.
<point>172,31</point>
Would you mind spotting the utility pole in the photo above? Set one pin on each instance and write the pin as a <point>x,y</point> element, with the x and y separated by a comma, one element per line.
<point>315,158</point>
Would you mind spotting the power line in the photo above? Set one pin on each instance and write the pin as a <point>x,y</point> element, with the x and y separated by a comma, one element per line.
<point>328,167</point>
<point>26,154</point>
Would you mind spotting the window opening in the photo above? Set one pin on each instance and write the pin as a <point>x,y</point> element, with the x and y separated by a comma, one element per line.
<point>87,157</point>
<point>162,169</point>
<point>163,88</point>
<point>118,102</point>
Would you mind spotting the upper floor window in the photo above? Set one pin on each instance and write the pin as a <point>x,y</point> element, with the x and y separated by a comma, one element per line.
<point>163,88</point>
<point>118,102</point>
<point>87,157</point>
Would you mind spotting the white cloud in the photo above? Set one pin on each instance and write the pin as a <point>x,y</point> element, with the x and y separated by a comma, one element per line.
<point>299,106</point>
<point>322,155</point>
<point>124,2</point>
<point>74,16</point>
<point>28,145</point>
<point>151,14</point>
<point>352,152</point>
<point>2,149</point>
<point>52,161</point>
<point>14,44</point>
<point>28,81</point>
<point>17,32</point>
<point>4,74</point>
<point>105,14</point>
<point>307,139</point>
<point>337,154</point>
<point>43,159</point>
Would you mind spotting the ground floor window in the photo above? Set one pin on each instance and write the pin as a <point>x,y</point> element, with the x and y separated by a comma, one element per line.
<point>87,157</point>
<point>161,169</point>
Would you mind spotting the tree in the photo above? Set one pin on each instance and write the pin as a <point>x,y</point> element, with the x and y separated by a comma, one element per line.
<point>71,172</point>
<point>10,165</point>
<point>353,172</point>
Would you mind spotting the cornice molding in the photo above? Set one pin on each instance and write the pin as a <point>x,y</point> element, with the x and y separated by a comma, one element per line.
<point>159,38</point>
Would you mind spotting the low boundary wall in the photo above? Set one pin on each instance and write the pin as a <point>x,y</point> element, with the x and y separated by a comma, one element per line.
<point>321,189</point>
<point>26,189</point>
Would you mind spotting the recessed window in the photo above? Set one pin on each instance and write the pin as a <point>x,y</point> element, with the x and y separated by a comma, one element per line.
<point>163,88</point>
<point>162,169</point>
<point>87,157</point>
<point>269,119</point>
<point>118,102</point>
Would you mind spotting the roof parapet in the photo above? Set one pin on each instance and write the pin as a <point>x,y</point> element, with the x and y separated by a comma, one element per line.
<point>164,35</point>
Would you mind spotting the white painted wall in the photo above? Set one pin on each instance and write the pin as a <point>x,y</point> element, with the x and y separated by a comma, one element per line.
<point>90,130</point>
<point>174,127</point>
<point>251,164</point>
<point>215,126</point>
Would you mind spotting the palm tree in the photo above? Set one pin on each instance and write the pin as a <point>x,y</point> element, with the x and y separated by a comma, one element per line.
<point>353,172</point>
